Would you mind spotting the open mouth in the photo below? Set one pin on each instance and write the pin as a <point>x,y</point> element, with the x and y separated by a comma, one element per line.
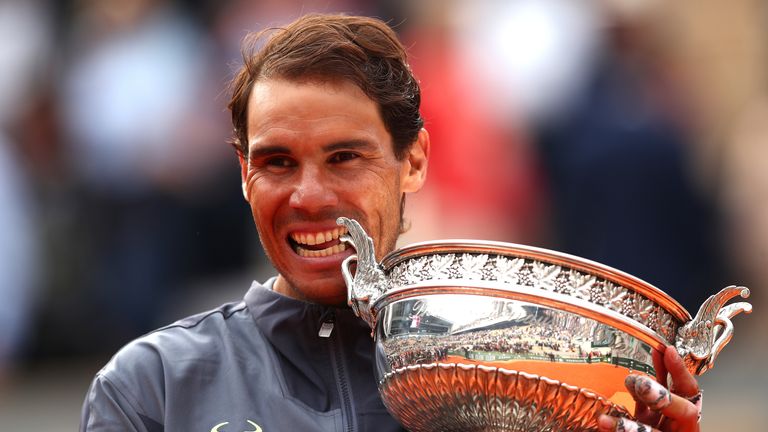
<point>318,244</point>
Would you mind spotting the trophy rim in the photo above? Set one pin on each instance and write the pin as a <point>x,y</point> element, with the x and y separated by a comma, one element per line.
<point>549,256</point>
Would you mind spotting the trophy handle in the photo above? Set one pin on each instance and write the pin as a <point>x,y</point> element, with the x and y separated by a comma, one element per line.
<point>700,340</point>
<point>369,281</point>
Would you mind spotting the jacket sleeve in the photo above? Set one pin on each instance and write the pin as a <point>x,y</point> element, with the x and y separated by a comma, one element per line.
<point>106,408</point>
<point>127,394</point>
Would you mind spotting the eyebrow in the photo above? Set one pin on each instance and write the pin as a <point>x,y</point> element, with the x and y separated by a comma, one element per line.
<point>269,150</point>
<point>355,144</point>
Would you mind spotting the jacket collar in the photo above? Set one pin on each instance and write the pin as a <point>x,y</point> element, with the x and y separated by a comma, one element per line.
<point>279,316</point>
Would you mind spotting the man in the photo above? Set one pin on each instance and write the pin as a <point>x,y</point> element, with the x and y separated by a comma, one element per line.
<point>327,124</point>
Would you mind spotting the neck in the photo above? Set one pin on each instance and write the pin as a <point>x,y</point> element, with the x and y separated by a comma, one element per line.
<point>284,287</point>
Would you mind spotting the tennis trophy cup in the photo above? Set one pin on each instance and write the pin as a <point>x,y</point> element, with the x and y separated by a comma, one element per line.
<point>490,336</point>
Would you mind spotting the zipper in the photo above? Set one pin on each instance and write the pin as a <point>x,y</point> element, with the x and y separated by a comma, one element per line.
<point>342,380</point>
<point>328,319</point>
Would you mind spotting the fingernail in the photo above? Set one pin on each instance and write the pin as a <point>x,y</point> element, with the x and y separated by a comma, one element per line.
<point>624,425</point>
<point>651,393</point>
<point>630,380</point>
<point>629,383</point>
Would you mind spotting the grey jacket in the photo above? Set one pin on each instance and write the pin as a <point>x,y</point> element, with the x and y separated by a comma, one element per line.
<point>256,365</point>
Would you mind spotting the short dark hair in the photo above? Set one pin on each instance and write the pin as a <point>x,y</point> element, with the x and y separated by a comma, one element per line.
<point>362,50</point>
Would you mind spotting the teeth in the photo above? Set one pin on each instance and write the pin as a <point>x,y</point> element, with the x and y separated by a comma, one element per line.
<point>319,237</point>
<point>323,252</point>
<point>309,239</point>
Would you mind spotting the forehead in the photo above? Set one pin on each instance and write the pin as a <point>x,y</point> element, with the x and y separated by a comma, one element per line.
<point>279,108</point>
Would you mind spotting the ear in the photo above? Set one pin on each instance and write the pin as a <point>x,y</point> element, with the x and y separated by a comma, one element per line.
<point>243,173</point>
<point>414,172</point>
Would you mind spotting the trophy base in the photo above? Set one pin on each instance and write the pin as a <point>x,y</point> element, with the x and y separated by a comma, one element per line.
<point>469,397</point>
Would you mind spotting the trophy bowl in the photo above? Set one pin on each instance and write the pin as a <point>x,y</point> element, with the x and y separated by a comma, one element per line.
<point>489,336</point>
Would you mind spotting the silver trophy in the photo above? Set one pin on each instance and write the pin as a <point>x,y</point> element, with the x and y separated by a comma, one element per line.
<point>490,336</point>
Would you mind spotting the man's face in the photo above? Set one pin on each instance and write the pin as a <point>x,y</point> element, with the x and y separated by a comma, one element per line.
<point>317,151</point>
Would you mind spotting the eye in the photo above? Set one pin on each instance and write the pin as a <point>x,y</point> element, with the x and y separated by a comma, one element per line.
<point>275,163</point>
<point>280,162</point>
<point>343,156</point>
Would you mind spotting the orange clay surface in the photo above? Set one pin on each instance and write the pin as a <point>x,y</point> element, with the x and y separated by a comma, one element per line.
<point>601,378</point>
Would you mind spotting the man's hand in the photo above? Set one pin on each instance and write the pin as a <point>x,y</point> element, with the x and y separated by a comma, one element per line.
<point>677,410</point>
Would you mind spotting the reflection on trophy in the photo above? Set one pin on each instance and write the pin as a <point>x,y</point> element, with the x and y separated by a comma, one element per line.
<point>491,336</point>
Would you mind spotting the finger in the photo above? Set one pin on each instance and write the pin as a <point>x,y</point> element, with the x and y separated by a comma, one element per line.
<point>648,392</point>
<point>647,415</point>
<point>683,382</point>
<point>617,424</point>
<point>658,365</point>
<point>642,412</point>
<point>658,398</point>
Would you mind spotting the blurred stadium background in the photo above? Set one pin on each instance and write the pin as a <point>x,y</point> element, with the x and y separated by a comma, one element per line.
<point>632,132</point>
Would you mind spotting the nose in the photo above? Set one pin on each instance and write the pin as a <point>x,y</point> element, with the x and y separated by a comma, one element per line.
<point>313,191</point>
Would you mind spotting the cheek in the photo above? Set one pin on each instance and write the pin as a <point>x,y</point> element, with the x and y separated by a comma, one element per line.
<point>385,202</point>
<point>251,180</point>
<point>377,195</point>
<point>254,202</point>
<point>261,200</point>
<point>261,189</point>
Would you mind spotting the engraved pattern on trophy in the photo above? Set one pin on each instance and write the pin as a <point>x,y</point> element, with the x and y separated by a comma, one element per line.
<point>530,273</point>
<point>517,401</point>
